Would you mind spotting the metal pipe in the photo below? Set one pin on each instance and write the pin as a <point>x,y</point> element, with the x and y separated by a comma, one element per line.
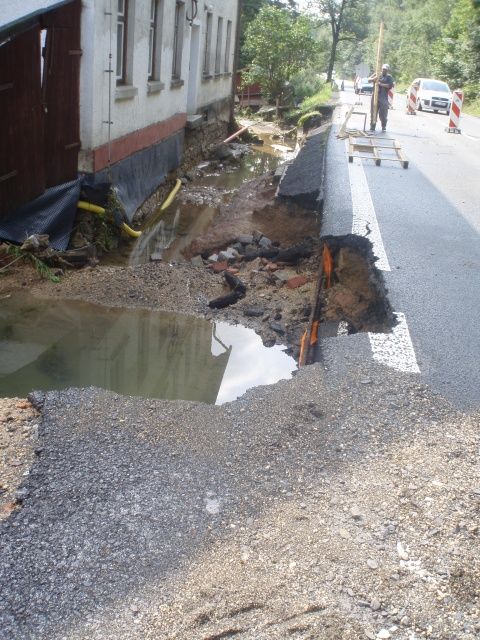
<point>234,135</point>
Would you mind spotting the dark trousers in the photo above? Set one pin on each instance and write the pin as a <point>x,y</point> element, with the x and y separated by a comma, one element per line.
<point>382,111</point>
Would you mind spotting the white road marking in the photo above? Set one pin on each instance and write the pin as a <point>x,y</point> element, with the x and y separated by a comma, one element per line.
<point>395,349</point>
<point>365,221</point>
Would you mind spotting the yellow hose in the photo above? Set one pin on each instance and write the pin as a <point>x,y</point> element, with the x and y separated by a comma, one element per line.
<point>171,195</point>
<point>86,206</point>
<point>93,208</point>
<point>131,232</point>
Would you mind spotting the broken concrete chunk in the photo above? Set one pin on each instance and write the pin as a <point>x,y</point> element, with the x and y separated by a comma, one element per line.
<point>245,238</point>
<point>228,254</point>
<point>283,275</point>
<point>197,261</point>
<point>265,242</point>
<point>213,257</point>
<point>239,248</point>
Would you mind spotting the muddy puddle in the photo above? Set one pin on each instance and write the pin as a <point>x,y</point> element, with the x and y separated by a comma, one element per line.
<point>169,232</point>
<point>51,344</point>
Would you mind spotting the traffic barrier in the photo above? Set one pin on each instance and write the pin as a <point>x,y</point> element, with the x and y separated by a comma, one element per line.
<point>412,100</point>
<point>390,98</point>
<point>455,111</point>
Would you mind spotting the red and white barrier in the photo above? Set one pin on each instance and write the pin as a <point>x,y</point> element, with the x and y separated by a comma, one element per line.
<point>390,98</point>
<point>412,100</point>
<point>455,111</point>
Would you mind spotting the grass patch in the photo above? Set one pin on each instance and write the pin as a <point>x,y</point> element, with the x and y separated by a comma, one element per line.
<point>306,116</point>
<point>472,107</point>
<point>317,100</point>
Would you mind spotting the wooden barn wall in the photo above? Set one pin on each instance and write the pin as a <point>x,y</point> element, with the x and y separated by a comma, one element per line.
<point>39,125</point>
<point>22,165</point>
<point>61,93</point>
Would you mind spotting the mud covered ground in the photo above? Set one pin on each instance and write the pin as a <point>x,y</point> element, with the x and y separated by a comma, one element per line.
<point>186,288</point>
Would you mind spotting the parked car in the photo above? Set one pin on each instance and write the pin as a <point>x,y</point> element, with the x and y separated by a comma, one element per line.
<point>362,85</point>
<point>433,94</point>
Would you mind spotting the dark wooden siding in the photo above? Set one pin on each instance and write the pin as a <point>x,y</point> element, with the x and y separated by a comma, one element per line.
<point>61,93</point>
<point>22,167</point>
<point>39,125</point>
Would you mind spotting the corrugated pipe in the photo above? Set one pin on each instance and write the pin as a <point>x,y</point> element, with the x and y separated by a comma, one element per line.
<point>94,208</point>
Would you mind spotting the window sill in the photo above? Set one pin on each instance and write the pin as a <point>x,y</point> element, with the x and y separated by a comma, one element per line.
<point>154,86</point>
<point>125,92</point>
<point>206,76</point>
<point>176,83</point>
<point>218,76</point>
<point>227,74</point>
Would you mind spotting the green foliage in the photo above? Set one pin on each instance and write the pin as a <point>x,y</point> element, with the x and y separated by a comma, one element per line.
<point>250,9</point>
<point>312,103</point>
<point>306,116</point>
<point>306,83</point>
<point>279,46</point>
<point>347,20</point>
<point>456,54</point>
<point>43,270</point>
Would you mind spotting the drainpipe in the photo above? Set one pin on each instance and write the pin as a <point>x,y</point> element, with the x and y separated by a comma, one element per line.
<point>236,58</point>
<point>109,12</point>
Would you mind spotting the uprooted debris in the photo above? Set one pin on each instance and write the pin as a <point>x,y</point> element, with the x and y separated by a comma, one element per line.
<point>271,286</point>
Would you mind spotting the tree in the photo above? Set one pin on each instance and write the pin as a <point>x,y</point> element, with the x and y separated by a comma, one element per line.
<point>249,11</point>
<point>347,20</point>
<point>456,53</point>
<point>279,45</point>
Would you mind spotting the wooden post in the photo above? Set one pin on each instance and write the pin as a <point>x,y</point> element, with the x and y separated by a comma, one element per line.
<point>378,70</point>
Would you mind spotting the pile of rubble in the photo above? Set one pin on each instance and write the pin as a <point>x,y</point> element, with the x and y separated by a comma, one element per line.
<point>267,287</point>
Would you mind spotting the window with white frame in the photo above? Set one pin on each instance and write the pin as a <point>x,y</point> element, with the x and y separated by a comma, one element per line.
<point>228,41</point>
<point>178,40</point>
<point>120,69</point>
<point>152,39</point>
<point>208,39</point>
<point>218,50</point>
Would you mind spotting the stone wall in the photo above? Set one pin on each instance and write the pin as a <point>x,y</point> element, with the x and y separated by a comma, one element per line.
<point>196,146</point>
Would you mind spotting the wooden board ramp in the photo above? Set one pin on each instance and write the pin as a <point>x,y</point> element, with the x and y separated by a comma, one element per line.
<point>376,149</point>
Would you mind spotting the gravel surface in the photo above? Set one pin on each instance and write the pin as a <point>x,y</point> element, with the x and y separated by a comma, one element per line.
<point>321,507</point>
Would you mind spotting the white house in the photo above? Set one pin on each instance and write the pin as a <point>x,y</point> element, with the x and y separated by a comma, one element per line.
<point>105,90</point>
<point>155,68</point>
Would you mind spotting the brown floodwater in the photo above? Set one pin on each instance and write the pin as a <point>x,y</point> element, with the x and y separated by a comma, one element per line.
<point>168,232</point>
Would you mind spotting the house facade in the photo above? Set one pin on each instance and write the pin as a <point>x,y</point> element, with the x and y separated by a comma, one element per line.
<point>108,90</point>
<point>158,68</point>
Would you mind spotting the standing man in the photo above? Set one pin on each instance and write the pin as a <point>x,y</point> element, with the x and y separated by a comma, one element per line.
<point>385,83</point>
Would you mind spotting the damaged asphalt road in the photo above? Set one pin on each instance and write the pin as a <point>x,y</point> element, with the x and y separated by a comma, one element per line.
<point>335,506</point>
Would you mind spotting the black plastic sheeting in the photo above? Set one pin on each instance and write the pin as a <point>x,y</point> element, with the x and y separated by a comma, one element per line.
<point>52,213</point>
<point>135,178</point>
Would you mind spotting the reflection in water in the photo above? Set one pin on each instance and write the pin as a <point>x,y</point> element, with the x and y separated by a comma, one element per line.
<point>59,344</point>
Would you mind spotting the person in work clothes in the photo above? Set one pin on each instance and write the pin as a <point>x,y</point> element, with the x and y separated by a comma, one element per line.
<point>385,83</point>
